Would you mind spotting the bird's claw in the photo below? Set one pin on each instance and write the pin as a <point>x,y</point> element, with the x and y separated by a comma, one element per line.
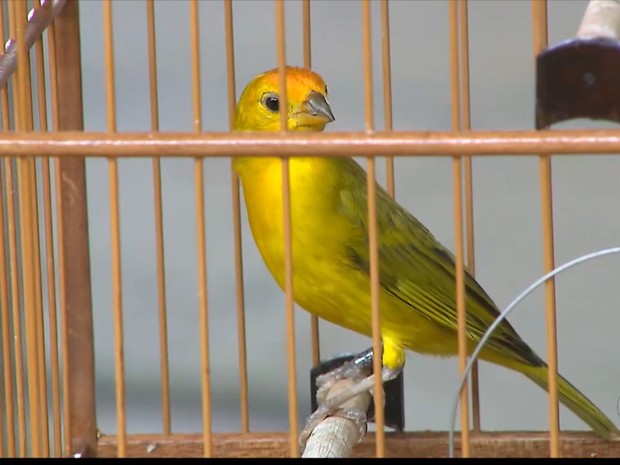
<point>348,370</point>
<point>323,412</point>
<point>320,414</point>
<point>355,370</point>
<point>357,417</point>
<point>359,370</point>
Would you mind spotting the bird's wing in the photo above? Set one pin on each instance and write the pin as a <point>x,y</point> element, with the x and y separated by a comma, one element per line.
<point>416,269</point>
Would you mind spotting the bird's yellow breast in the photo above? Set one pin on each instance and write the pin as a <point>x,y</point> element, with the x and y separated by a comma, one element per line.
<point>319,235</point>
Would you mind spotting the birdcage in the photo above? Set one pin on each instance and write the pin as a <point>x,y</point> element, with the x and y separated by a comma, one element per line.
<point>115,339</point>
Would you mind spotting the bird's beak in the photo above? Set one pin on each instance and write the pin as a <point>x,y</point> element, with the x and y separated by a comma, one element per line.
<point>315,111</point>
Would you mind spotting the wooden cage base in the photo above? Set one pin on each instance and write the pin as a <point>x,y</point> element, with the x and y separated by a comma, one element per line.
<point>414,444</point>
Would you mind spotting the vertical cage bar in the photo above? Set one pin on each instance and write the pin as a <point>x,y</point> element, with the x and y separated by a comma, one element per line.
<point>288,239</point>
<point>458,227</point>
<point>7,447</point>
<point>66,415</point>
<point>15,309</point>
<point>201,235</point>
<point>238,250</point>
<point>66,380</point>
<point>26,183</point>
<point>540,39</point>
<point>159,225</point>
<point>4,326</point>
<point>373,240</point>
<point>307,44</point>
<point>469,198</point>
<point>49,257</point>
<point>306,19</point>
<point>115,239</point>
<point>13,260</point>
<point>9,389</point>
<point>9,412</point>
<point>42,360</point>
<point>52,309</point>
<point>74,261</point>
<point>387,88</point>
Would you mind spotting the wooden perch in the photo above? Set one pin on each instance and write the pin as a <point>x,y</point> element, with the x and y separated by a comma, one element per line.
<point>336,436</point>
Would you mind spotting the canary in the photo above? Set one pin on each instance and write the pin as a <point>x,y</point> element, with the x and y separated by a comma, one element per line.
<point>330,248</point>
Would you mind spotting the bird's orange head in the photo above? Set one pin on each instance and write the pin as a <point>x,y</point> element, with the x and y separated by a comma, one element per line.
<point>258,108</point>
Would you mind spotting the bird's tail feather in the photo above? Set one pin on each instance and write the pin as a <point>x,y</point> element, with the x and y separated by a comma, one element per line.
<point>579,404</point>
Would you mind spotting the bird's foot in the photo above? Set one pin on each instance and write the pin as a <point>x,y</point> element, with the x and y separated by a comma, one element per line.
<point>324,411</point>
<point>358,368</point>
<point>388,374</point>
<point>331,407</point>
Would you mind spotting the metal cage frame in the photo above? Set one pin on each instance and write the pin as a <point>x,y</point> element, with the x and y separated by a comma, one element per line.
<point>63,149</point>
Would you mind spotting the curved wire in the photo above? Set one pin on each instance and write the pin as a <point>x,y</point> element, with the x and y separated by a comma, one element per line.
<point>501,317</point>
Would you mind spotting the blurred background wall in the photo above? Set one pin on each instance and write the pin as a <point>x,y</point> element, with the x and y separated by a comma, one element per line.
<point>507,209</point>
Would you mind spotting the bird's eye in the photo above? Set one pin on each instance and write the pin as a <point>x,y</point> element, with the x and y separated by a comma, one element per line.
<point>271,102</point>
<point>325,89</point>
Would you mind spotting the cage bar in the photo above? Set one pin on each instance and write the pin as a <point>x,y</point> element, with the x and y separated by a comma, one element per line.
<point>159,226</point>
<point>307,41</point>
<point>63,431</point>
<point>74,261</point>
<point>386,66</point>
<point>115,238</point>
<point>468,184</point>
<point>288,239</point>
<point>244,406</point>
<point>205,375</point>
<point>461,314</point>
<point>40,323</point>
<point>37,22</point>
<point>11,388</point>
<point>21,99</point>
<point>373,234</point>
<point>539,21</point>
<point>8,449</point>
<point>50,271</point>
<point>4,327</point>
<point>15,308</point>
<point>333,144</point>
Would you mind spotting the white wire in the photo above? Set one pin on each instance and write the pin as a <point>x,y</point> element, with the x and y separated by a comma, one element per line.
<point>500,318</point>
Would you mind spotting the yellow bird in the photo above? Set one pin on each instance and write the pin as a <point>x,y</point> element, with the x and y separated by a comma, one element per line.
<point>331,256</point>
